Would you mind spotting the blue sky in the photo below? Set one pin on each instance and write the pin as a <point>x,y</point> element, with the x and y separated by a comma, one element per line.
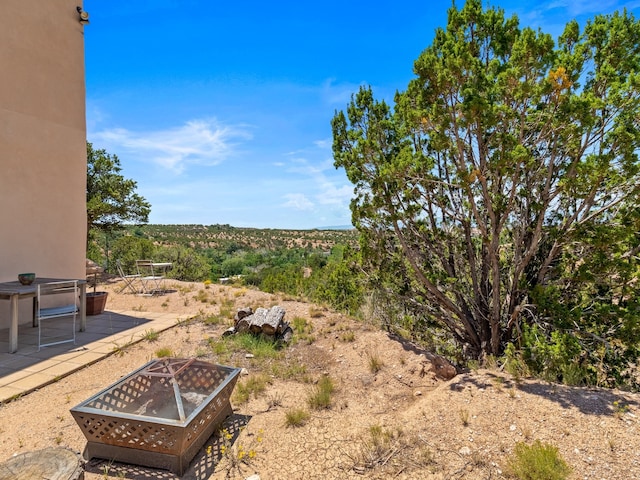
<point>221,111</point>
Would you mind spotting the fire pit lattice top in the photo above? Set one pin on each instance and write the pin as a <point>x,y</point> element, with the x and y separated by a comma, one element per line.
<point>167,388</point>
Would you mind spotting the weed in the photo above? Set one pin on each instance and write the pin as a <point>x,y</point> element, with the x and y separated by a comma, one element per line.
<point>234,456</point>
<point>619,409</point>
<point>164,352</point>
<point>375,362</point>
<point>537,461</point>
<point>315,312</point>
<point>301,326</point>
<point>498,383</point>
<point>296,417</point>
<point>274,401</point>
<point>119,349</point>
<point>219,347</point>
<point>348,336</point>
<point>288,371</point>
<point>320,397</point>
<point>491,362</point>
<point>151,335</point>
<point>201,352</point>
<point>378,448</point>
<point>139,308</point>
<point>253,385</point>
<point>213,319</point>
<point>261,348</point>
<point>202,296</point>
<point>464,417</point>
<point>58,439</point>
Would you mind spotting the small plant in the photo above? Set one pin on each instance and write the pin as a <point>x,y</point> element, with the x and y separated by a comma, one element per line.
<point>151,335</point>
<point>301,325</point>
<point>498,383</point>
<point>201,352</point>
<point>619,409</point>
<point>473,365</point>
<point>213,319</point>
<point>236,455</point>
<point>320,397</point>
<point>219,347</point>
<point>119,349</point>
<point>315,312</point>
<point>375,362</point>
<point>296,417</point>
<point>464,417</point>
<point>164,352</point>
<point>537,461</point>
<point>274,401</point>
<point>287,371</point>
<point>348,336</point>
<point>253,385</point>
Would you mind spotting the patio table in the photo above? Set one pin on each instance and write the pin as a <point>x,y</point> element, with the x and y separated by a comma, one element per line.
<point>14,291</point>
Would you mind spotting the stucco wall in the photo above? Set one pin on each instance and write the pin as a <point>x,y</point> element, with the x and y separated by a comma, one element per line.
<point>42,142</point>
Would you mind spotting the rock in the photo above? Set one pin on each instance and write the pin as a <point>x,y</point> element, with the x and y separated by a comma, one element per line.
<point>464,451</point>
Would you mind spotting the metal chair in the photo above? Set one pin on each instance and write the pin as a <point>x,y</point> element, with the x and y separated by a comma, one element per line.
<point>151,282</point>
<point>68,288</point>
<point>129,280</point>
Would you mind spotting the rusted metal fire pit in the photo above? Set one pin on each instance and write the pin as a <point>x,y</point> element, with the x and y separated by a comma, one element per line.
<point>159,415</point>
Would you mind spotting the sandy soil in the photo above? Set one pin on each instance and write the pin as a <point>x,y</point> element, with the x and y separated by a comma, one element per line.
<point>390,417</point>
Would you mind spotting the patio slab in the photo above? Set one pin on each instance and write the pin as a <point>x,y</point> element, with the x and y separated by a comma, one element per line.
<point>29,369</point>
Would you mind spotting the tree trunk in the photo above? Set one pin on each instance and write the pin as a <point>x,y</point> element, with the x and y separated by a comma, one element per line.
<point>50,463</point>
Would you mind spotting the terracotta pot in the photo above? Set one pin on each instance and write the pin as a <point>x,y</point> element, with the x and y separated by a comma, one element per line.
<point>96,302</point>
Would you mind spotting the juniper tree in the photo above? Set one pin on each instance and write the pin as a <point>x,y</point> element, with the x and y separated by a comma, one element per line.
<point>508,155</point>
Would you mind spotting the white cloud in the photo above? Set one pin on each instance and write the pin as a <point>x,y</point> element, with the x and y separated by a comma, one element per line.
<point>197,142</point>
<point>298,201</point>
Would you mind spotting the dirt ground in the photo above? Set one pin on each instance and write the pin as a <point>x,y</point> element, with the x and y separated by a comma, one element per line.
<point>389,417</point>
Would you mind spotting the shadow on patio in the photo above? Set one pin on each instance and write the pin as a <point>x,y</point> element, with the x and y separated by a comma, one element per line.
<point>29,369</point>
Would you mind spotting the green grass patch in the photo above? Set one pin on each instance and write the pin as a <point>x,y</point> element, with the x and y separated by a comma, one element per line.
<point>164,352</point>
<point>254,385</point>
<point>296,417</point>
<point>320,397</point>
<point>261,348</point>
<point>537,461</point>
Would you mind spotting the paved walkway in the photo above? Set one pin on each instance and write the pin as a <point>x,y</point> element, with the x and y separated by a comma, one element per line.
<point>29,369</point>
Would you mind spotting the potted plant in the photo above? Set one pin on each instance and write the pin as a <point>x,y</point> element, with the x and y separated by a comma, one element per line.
<point>96,301</point>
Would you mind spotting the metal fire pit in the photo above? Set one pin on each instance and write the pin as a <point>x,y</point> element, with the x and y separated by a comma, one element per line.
<point>159,415</point>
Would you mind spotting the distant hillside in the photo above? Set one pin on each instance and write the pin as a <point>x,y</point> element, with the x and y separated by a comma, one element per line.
<point>223,236</point>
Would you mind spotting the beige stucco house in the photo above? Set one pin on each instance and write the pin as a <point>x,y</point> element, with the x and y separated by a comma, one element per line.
<point>42,142</point>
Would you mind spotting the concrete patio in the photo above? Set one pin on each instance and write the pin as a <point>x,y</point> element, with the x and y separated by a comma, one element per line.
<point>29,369</point>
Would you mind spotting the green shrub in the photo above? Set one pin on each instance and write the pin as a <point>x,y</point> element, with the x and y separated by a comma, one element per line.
<point>537,462</point>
